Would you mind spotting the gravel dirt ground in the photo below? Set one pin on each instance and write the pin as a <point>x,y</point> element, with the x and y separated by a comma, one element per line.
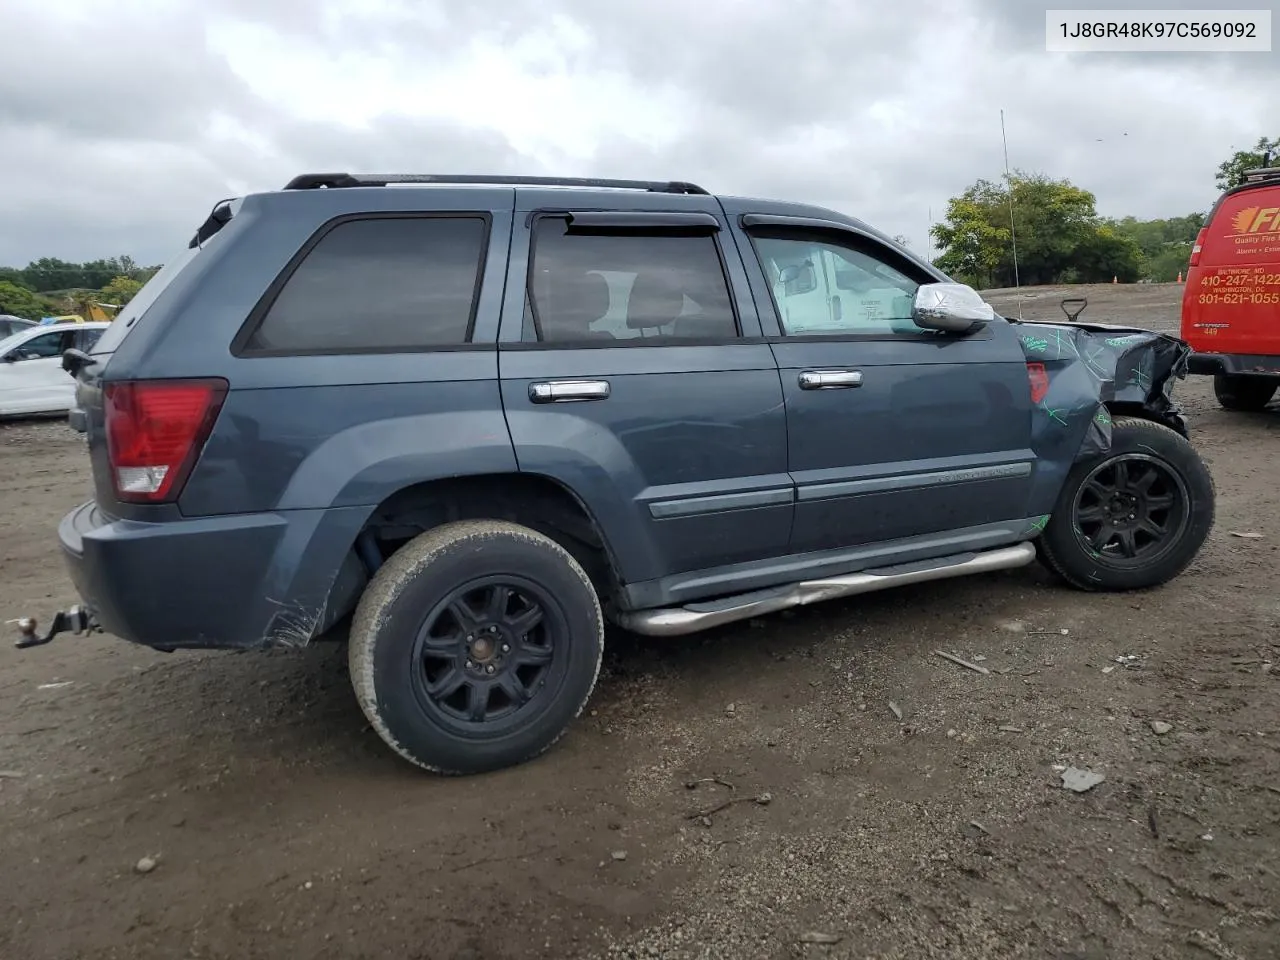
<point>279,825</point>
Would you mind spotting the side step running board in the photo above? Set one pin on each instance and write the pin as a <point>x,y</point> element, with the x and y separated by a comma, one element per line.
<point>674,621</point>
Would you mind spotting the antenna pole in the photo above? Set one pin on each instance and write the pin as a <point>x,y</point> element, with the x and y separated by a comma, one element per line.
<point>1013,234</point>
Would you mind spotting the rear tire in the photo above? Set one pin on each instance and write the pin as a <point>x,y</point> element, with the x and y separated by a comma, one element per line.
<point>1133,517</point>
<point>475,646</point>
<point>1245,393</point>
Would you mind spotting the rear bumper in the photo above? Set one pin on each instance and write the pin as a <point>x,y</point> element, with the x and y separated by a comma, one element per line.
<point>1235,364</point>
<point>213,582</point>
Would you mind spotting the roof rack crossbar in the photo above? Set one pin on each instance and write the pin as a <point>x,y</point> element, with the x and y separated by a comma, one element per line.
<point>1261,173</point>
<point>315,181</point>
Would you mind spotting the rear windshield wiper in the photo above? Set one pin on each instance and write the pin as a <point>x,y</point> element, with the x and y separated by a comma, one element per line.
<point>218,218</point>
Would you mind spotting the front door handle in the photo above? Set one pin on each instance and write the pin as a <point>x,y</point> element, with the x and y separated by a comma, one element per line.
<point>566,391</point>
<point>830,379</point>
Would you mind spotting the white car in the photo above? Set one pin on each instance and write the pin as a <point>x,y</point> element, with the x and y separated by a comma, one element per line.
<point>32,380</point>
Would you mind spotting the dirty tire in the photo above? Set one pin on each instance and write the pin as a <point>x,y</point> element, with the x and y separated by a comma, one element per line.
<point>1141,445</point>
<point>406,636</point>
<point>1249,394</point>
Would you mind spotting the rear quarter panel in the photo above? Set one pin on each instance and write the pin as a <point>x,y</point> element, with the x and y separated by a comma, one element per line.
<point>312,432</point>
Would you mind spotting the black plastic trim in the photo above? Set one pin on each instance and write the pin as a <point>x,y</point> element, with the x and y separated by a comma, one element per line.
<point>1234,364</point>
<point>218,218</point>
<point>720,503</point>
<point>832,490</point>
<point>642,221</point>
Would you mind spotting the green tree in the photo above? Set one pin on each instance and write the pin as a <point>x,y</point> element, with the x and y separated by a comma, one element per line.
<point>50,273</point>
<point>1232,170</point>
<point>121,290</point>
<point>1168,263</point>
<point>15,276</point>
<point>21,302</point>
<point>970,245</point>
<point>1165,244</point>
<point>1059,236</point>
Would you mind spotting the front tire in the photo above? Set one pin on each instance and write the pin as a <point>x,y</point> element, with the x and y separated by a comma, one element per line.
<point>1246,393</point>
<point>475,646</point>
<point>1133,517</point>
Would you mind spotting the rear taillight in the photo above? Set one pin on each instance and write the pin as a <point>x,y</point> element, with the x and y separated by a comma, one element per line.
<point>155,431</point>
<point>1199,245</point>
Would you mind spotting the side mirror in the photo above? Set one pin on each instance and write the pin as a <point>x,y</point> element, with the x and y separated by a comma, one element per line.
<point>797,279</point>
<point>950,308</point>
<point>11,357</point>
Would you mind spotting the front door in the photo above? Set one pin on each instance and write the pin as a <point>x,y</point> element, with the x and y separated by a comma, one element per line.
<point>894,432</point>
<point>31,376</point>
<point>634,373</point>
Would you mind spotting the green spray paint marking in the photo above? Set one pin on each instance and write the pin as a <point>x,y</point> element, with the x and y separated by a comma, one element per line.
<point>1103,418</point>
<point>1055,413</point>
<point>1039,523</point>
<point>1141,376</point>
<point>1096,368</point>
<point>1125,340</point>
<point>1035,344</point>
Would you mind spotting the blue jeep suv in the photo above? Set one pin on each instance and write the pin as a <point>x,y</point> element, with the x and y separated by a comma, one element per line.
<point>472,418</point>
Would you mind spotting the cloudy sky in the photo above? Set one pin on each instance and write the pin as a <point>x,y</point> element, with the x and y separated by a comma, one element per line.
<point>118,130</point>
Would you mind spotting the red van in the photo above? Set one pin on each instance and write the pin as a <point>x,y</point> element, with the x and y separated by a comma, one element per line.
<point>1231,304</point>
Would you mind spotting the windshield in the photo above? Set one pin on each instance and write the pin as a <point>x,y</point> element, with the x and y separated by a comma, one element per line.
<point>8,343</point>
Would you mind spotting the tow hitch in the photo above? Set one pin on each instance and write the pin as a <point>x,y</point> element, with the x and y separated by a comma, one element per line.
<point>75,620</point>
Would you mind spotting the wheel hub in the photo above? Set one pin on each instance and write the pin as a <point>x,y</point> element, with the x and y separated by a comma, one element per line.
<point>485,648</point>
<point>1122,507</point>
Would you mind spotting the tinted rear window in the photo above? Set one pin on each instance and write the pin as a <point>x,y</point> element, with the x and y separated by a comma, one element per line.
<point>135,309</point>
<point>132,311</point>
<point>384,283</point>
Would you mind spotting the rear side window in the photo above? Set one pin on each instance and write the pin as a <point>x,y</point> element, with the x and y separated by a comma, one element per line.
<point>627,287</point>
<point>379,284</point>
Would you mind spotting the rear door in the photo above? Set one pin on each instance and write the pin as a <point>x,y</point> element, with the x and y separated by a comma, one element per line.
<point>634,373</point>
<point>893,431</point>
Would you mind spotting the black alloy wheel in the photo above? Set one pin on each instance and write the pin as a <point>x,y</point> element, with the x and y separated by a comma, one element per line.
<point>486,651</point>
<point>1131,509</point>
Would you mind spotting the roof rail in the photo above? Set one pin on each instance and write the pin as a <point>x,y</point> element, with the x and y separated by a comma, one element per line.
<point>315,181</point>
<point>1259,174</point>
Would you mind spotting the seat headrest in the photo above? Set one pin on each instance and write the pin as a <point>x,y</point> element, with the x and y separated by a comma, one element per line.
<point>576,301</point>
<point>656,300</point>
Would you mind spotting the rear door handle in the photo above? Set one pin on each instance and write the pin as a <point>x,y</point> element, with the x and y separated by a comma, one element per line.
<point>566,391</point>
<point>830,379</point>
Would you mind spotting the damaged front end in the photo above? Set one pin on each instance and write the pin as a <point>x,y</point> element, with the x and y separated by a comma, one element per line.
<point>1082,374</point>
